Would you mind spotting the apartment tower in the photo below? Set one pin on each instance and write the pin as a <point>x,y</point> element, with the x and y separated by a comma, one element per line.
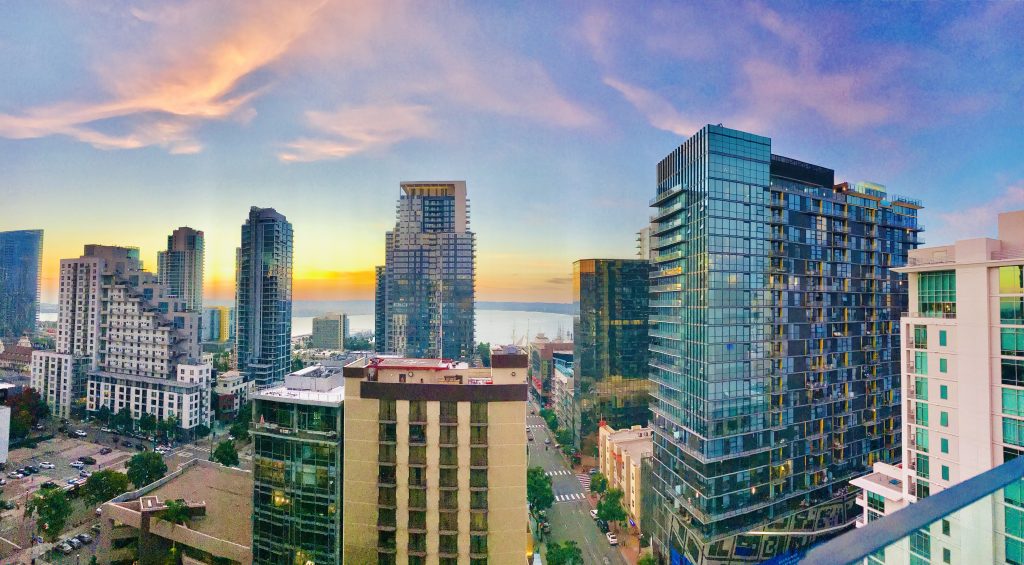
<point>263,297</point>
<point>21,255</point>
<point>180,266</point>
<point>435,460</point>
<point>610,340</point>
<point>963,385</point>
<point>774,346</point>
<point>297,431</point>
<point>427,286</point>
<point>329,332</point>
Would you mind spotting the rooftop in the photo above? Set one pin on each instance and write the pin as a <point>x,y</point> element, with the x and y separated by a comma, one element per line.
<point>637,441</point>
<point>424,364</point>
<point>316,384</point>
<point>886,478</point>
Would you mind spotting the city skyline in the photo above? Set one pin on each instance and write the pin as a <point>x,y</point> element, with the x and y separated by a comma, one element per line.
<point>567,125</point>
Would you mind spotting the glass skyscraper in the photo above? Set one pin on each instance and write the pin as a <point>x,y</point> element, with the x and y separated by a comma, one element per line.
<point>263,297</point>
<point>610,345</point>
<point>21,254</point>
<point>774,346</point>
<point>180,266</point>
<point>426,288</point>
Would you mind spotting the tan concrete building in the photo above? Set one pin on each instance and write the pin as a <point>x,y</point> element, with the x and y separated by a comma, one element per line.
<point>218,531</point>
<point>620,453</point>
<point>435,461</point>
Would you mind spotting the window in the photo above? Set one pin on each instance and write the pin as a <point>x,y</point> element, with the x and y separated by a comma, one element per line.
<point>1011,341</point>
<point>1014,551</point>
<point>920,362</point>
<point>945,527</point>
<point>1013,372</point>
<point>876,502</point>
<point>921,388</point>
<point>946,555</point>
<point>922,466</point>
<point>943,392</point>
<point>920,337</point>
<point>942,338</point>
<point>1011,279</point>
<point>945,473</point>
<point>921,543</point>
<point>942,365</point>
<point>1011,310</point>
<point>944,419</point>
<point>1013,402</point>
<point>1014,521</point>
<point>1013,431</point>
<point>936,293</point>
<point>944,445</point>
<point>921,413</point>
<point>921,439</point>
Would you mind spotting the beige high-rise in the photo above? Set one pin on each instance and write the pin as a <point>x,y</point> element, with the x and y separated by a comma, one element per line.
<point>435,461</point>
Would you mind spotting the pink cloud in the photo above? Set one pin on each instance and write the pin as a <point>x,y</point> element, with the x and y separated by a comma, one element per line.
<point>978,221</point>
<point>659,112</point>
<point>356,130</point>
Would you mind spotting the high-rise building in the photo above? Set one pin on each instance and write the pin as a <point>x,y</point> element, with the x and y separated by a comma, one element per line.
<point>435,460</point>
<point>428,279</point>
<point>963,368</point>
<point>774,346</point>
<point>21,254</point>
<point>329,332</point>
<point>542,367</point>
<point>124,342</point>
<point>218,324</point>
<point>180,267</point>
<point>297,434</point>
<point>610,346</point>
<point>263,297</point>
<point>380,301</point>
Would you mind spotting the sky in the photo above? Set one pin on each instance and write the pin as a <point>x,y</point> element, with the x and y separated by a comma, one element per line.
<point>120,121</point>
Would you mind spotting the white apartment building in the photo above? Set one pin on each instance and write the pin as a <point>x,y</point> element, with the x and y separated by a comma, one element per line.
<point>962,378</point>
<point>620,455</point>
<point>60,379</point>
<point>232,390</point>
<point>186,397</point>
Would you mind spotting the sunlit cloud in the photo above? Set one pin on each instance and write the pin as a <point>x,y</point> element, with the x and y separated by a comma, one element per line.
<point>658,111</point>
<point>355,130</point>
<point>980,220</point>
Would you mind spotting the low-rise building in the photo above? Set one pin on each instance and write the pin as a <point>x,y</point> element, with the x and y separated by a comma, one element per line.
<point>16,355</point>
<point>620,457</point>
<point>218,530</point>
<point>232,390</point>
<point>186,398</point>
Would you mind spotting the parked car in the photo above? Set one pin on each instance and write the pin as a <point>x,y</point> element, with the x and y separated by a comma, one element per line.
<point>85,474</point>
<point>3,482</point>
<point>547,441</point>
<point>64,548</point>
<point>612,540</point>
<point>105,451</point>
<point>71,481</point>
<point>38,427</point>
<point>48,485</point>
<point>126,445</point>
<point>140,447</point>
<point>74,543</point>
<point>87,460</point>
<point>593,513</point>
<point>31,469</point>
<point>96,528</point>
<point>15,475</point>
<point>602,525</point>
<point>47,465</point>
<point>80,433</point>
<point>529,437</point>
<point>84,538</point>
<point>77,464</point>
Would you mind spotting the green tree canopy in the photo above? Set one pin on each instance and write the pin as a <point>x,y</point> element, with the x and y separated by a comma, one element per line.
<point>646,559</point>
<point>53,510</point>
<point>358,343</point>
<point>564,437</point>
<point>567,553</point>
<point>226,454</point>
<point>123,419</point>
<point>538,489</point>
<point>240,431</point>
<point>101,486</point>
<point>598,483</point>
<point>103,414</point>
<point>201,431</point>
<point>146,467</point>
<point>550,418</point>
<point>484,351</point>
<point>147,423</point>
<point>177,512</point>
<point>609,508</point>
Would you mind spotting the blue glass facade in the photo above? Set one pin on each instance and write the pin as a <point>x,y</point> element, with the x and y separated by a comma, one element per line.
<point>21,254</point>
<point>774,344</point>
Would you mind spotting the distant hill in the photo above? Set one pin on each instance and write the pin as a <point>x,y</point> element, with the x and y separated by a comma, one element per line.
<point>304,308</point>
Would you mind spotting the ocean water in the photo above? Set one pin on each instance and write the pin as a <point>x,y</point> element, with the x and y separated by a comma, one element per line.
<point>492,326</point>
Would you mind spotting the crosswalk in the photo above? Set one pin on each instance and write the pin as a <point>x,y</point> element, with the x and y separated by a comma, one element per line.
<point>585,481</point>
<point>570,497</point>
<point>559,473</point>
<point>535,426</point>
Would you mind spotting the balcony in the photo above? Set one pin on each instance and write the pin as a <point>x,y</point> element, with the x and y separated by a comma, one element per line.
<point>939,315</point>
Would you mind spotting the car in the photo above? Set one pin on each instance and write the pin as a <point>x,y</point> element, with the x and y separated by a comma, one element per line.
<point>529,438</point>
<point>32,469</point>
<point>107,430</point>
<point>612,540</point>
<point>48,485</point>
<point>84,538</point>
<point>77,464</point>
<point>105,451</point>
<point>3,482</point>
<point>47,465</point>
<point>140,447</point>
<point>546,527</point>
<point>547,441</point>
<point>87,460</point>
<point>74,543</point>
<point>80,433</point>
<point>99,511</point>
<point>16,475</point>
<point>602,525</point>
<point>38,427</point>
<point>96,528</point>
<point>533,411</point>
<point>593,513</point>
<point>85,474</point>
<point>126,445</point>
<point>64,548</point>
<point>71,481</point>
<point>592,471</point>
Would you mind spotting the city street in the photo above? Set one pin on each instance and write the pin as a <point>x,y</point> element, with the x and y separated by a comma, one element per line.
<point>570,514</point>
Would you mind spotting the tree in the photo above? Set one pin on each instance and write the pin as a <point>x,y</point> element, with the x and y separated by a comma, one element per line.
<point>564,437</point>
<point>297,363</point>
<point>609,508</point>
<point>484,351</point>
<point>145,468</point>
<point>93,560</point>
<point>21,424</point>
<point>598,484</point>
<point>226,454</point>
<point>147,423</point>
<point>53,508</point>
<point>538,489</point>
<point>123,419</point>
<point>101,486</point>
<point>244,414</point>
<point>358,343</point>
<point>201,431</point>
<point>239,431</point>
<point>103,414</point>
<point>550,418</point>
<point>567,553</point>
<point>30,401</point>
<point>176,512</point>
<point>646,559</point>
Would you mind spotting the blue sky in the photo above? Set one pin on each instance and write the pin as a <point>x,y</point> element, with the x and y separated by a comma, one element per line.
<point>120,121</point>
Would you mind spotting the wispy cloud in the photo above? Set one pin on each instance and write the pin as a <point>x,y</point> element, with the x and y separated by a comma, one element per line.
<point>978,221</point>
<point>159,93</point>
<point>658,111</point>
<point>356,130</point>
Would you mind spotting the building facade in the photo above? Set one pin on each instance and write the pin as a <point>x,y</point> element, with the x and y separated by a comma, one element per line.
<point>774,346</point>
<point>263,297</point>
<point>380,301</point>
<point>563,392</point>
<point>542,366</point>
<point>21,256</point>
<point>329,332</point>
<point>427,285</point>
<point>610,340</point>
<point>232,391</point>
<point>963,370</point>
<point>60,379</point>
<point>620,457</point>
<point>297,435</point>
<point>218,324</point>
<point>435,461</point>
<point>180,266</point>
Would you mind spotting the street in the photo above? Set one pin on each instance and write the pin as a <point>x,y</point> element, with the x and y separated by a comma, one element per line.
<point>570,514</point>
